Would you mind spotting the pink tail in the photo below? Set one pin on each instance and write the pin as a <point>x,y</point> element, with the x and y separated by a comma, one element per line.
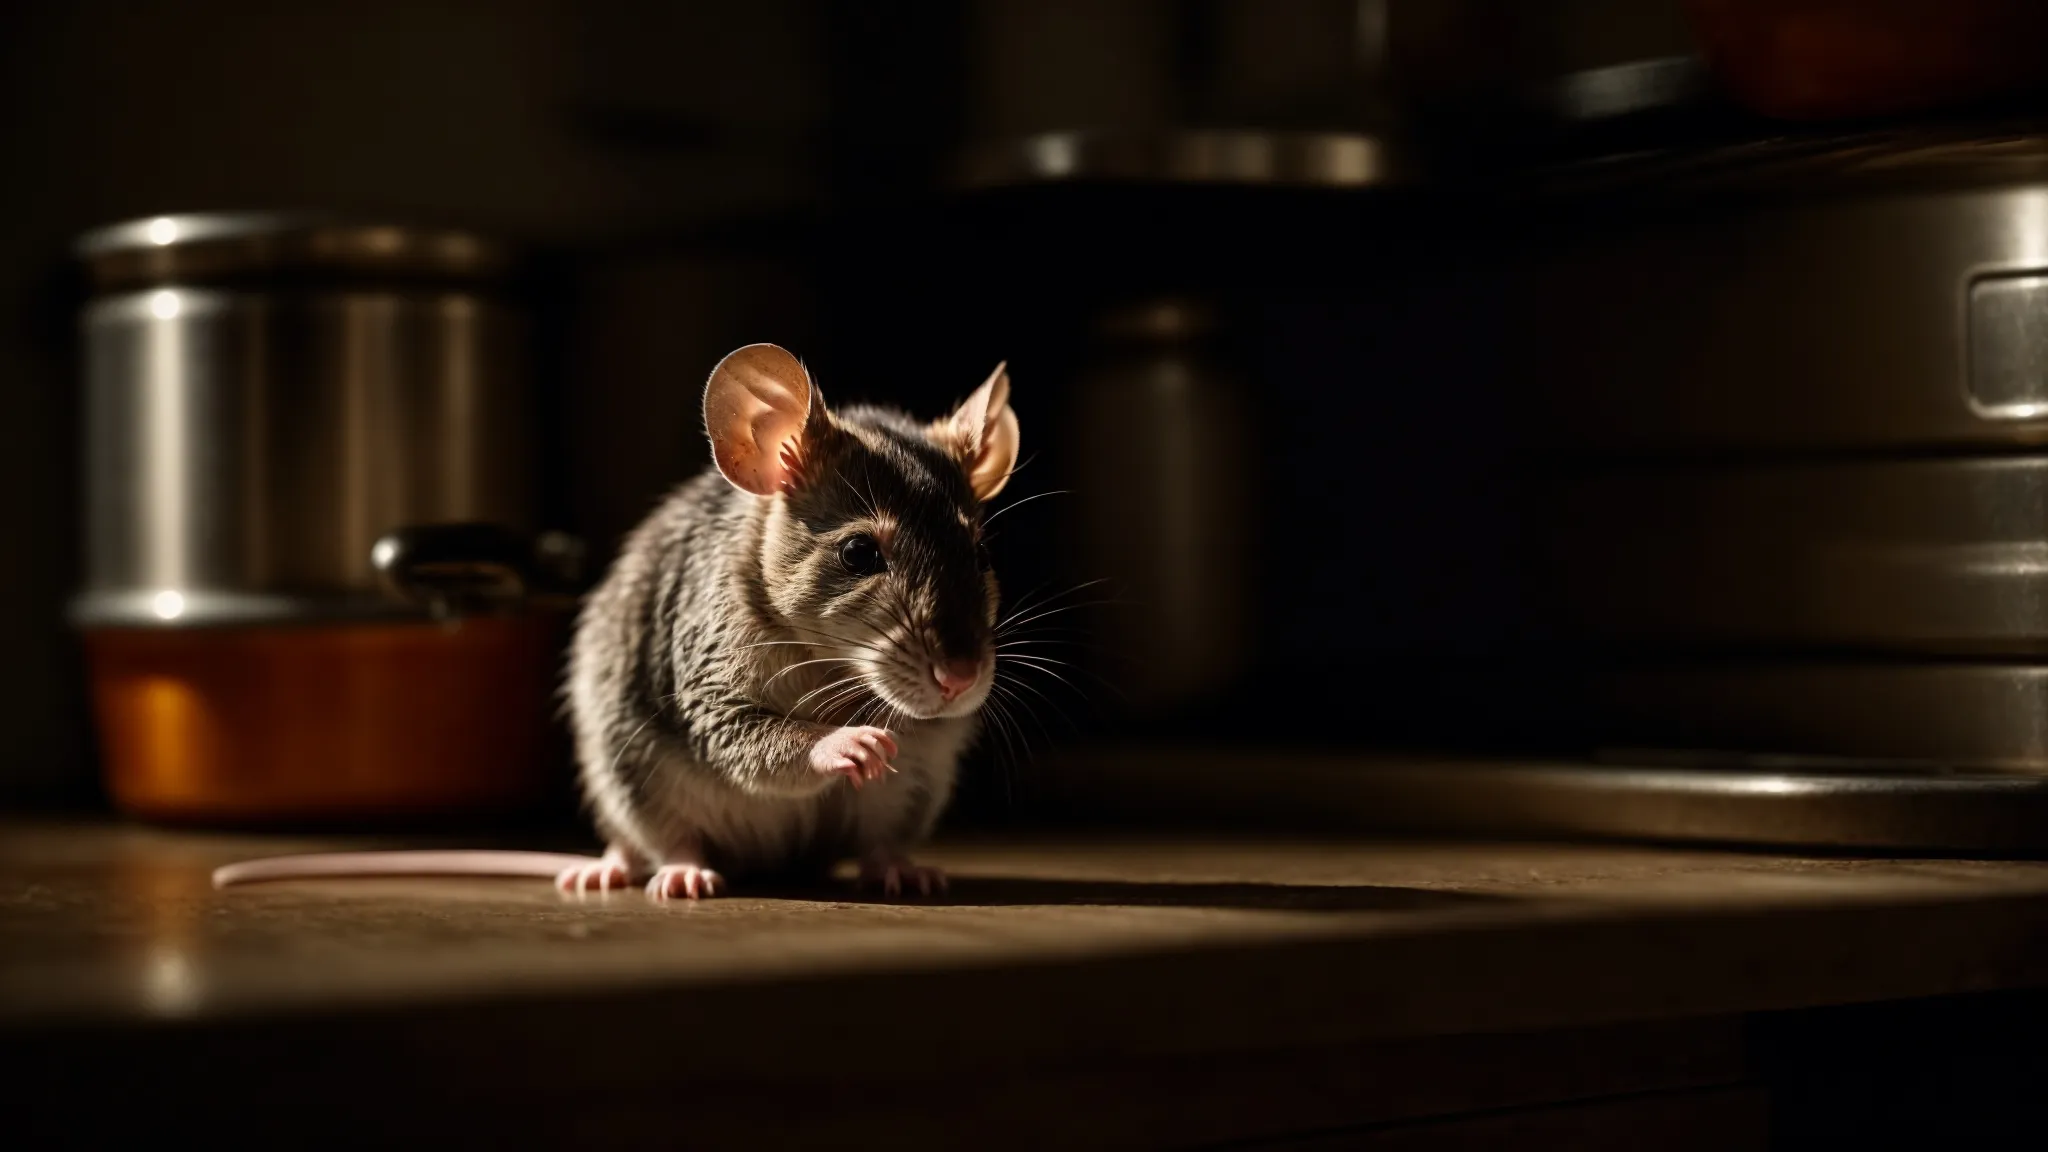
<point>523,865</point>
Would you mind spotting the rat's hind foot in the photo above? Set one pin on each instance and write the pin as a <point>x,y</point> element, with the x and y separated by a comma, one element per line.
<point>897,875</point>
<point>597,876</point>
<point>691,880</point>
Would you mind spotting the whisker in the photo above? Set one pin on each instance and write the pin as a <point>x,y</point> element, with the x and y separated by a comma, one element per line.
<point>849,695</point>
<point>887,714</point>
<point>1035,663</point>
<point>1028,659</point>
<point>1033,712</point>
<point>1041,599</point>
<point>868,484</point>
<point>855,721</point>
<point>1044,643</point>
<point>999,702</point>
<point>1063,608</point>
<point>873,707</point>
<point>1025,599</point>
<point>1020,682</point>
<point>1050,630</point>
<point>1032,602</point>
<point>824,706</point>
<point>1011,703</point>
<point>871,714</point>
<point>765,684</point>
<point>991,517</point>
<point>892,629</point>
<point>1064,638</point>
<point>862,681</point>
<point>843,646</point>
<point>801,629</point>
<point>1022,608</point>
<point>855,678</point>
<point>1011,759</point>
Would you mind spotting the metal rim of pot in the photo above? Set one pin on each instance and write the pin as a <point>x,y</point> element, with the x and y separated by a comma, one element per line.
<point>438,569</point>
<point>202,246</point>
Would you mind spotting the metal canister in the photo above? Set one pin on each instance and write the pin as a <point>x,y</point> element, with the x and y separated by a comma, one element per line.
<point>267,397</point>
<point>1161,456</point>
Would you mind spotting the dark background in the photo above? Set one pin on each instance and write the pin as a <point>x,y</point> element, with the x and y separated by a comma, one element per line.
<point>698,176</point>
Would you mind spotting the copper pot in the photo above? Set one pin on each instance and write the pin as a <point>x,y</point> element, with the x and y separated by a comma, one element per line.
<point>319,722</point>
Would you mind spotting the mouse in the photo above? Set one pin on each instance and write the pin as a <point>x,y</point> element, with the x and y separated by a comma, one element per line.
<point>785,663</point>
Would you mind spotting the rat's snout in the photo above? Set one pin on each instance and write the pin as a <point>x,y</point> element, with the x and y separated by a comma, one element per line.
<point>955,677</point>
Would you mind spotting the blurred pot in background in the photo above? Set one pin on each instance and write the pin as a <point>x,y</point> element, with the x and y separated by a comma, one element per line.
<point>1161,447</point>
<point>268,397</point>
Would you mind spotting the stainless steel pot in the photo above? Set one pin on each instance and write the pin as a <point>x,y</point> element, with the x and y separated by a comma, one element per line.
<point>270,394</point>
<point>305,438</point>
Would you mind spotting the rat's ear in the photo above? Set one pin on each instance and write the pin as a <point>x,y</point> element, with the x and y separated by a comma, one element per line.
<point>761,408</point>
<point>982,433</point>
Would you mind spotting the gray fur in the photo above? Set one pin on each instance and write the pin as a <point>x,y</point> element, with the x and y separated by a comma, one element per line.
<point>690,713</point>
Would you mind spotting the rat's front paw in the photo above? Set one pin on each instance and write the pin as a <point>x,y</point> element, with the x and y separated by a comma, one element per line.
<point>859,754</point>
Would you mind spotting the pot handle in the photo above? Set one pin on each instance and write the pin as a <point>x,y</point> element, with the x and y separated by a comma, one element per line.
<point>470,568</point>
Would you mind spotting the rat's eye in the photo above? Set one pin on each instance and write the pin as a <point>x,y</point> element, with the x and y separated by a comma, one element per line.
<point>862,556</point>
<point>982,557</point>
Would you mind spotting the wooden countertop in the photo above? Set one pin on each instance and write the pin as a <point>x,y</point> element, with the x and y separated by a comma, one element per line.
<point>1047,951</point>
<point>119,925</point>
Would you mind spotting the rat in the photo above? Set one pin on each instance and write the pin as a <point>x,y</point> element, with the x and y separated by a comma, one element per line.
<point>785,663</point>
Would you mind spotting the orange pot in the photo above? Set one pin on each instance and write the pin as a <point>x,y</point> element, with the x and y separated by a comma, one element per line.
<point>327,722</point>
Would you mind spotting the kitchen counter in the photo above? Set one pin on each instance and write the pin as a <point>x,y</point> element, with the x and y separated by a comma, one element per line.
<point>1194,990</point>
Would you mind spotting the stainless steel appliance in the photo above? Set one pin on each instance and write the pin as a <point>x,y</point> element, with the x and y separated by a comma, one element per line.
<point>1788,435</point>
<point>1718,444</point>
<point>1808,513</point>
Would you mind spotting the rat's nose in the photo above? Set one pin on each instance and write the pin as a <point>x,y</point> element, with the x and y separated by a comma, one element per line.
<point>955,677</point>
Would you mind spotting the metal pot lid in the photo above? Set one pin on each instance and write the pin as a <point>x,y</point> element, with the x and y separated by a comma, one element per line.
<point>210,246</point>
<point>1198,156</point>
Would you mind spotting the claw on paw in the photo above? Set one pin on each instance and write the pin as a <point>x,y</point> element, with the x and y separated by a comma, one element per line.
<point>859,754</point>
<point>686,880</point>
<point>600,876</point>
<point>898,877</point>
